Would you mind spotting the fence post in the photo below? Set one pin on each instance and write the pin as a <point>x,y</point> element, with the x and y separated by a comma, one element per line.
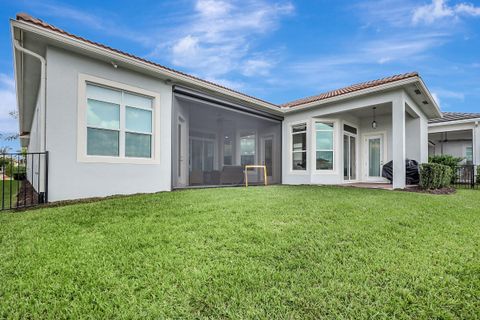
<point>472,178</point>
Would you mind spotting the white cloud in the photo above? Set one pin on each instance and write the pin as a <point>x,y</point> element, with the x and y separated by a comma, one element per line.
<point>439,9</point>
<point>102,21</point>
<point>8,103</point>
<point>213,8</point>
<point>220,37</point>
<point>449,94</point>
<point>254,67</point>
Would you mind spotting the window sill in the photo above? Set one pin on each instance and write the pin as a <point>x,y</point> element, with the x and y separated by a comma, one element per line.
<point>119,160</point>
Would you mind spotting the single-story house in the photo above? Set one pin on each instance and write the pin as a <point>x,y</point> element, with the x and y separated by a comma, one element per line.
<point>456,134</point>
<point>114,123</point>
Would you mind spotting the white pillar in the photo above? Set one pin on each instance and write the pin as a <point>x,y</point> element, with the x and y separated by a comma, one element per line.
<point>398,140</point>
<point>476,144</point>
<point>423,140</point>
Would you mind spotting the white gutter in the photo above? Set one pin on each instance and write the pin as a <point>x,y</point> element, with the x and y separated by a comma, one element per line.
<point>447,123</point>
<point>43,92</point>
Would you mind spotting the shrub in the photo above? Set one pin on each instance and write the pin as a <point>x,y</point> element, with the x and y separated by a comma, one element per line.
<point>447,160</point>
<point>17,172</point>
<point>435,176</point>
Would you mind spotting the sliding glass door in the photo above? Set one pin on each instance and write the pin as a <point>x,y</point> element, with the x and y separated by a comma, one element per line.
<point>349,153</point>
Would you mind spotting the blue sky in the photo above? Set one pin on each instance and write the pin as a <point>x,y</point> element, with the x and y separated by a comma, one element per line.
<point>277,50</point>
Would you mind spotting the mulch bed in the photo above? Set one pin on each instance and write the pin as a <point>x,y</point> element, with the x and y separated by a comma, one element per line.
<point>27,196</point>
<point>436,191</point>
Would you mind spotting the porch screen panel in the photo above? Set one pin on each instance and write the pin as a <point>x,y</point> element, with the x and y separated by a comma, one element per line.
<point>220,141</point>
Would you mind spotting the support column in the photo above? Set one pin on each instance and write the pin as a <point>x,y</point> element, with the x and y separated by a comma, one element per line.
<point>476,144</point>
<point>398,140</point>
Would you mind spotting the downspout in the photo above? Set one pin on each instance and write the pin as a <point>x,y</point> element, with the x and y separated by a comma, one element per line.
<point>43,93</point>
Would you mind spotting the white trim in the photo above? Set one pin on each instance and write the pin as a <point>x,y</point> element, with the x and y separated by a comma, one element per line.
<point>357,149</point>
<point>384,158</point>
<point>82,123</point>
<point>290,146</point>
<point>447,123</point>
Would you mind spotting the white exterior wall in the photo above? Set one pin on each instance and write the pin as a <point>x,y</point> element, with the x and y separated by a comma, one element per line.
<point>71,179</point>
<point>414,133</point>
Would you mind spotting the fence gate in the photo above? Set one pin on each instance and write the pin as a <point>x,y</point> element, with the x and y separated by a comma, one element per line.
<point>466,176</point>
<point>23,179</point>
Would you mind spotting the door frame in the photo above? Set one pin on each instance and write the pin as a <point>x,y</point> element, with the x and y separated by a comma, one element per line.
<point>383,155</point>
<point>349,135</point>
<point>182,143</point>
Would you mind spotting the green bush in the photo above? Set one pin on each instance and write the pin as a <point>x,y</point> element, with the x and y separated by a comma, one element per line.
<point>447,160</point>
<point>435,176</point>
<point>17,172</point>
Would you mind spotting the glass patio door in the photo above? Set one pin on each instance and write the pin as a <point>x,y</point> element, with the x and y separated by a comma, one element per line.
<point>374,157</point>
<point>201,155</point>
<point>349,157</point>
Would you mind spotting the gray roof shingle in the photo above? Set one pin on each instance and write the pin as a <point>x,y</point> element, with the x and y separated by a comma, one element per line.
<point>455,116</point>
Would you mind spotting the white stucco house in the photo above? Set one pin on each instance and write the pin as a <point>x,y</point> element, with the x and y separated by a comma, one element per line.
<point>456,134</point>
<point>114,123</point>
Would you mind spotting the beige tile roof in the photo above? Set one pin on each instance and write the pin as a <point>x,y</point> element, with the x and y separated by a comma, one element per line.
<point>349,89</point>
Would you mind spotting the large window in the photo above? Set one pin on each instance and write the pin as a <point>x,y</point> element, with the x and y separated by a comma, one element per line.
<point>469,155</point>
<point>299,147</point>
<point>119,123</point>
<point>324,145</point>
<point>247,148</point>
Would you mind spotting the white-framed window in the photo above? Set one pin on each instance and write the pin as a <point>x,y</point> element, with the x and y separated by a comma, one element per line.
<point>299,147</point>
<point>469,154</point>
<point>116,123</point>
<point>324,143</point>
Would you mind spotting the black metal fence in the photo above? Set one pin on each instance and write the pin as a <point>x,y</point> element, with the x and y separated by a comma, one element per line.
<point>466,176</point>
<point>23,179</point>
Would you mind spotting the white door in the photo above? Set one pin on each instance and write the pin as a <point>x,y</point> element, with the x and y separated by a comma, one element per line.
<point>373,146</point>
<point>267,155</point>
<point>182,164</point>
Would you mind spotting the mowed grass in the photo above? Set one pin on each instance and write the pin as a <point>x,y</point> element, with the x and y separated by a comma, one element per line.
<point>280,252</point>
<point>9,189</point>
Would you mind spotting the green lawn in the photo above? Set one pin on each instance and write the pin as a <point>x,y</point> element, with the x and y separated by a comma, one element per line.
<point>10,188</point>
<point>261,252</point>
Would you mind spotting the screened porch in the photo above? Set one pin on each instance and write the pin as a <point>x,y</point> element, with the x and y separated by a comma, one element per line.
<point>215,142</point>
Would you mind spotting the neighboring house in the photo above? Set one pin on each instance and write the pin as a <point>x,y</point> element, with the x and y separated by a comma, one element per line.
<point>114,123</point>
<point>456,134</point>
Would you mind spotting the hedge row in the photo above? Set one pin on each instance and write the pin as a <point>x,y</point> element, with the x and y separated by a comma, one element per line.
<point>435,176</point>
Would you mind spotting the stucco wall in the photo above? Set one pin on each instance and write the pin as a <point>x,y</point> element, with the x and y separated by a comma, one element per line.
<point>71,179</point>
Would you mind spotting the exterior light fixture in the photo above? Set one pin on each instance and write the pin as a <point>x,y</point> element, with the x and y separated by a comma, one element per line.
<point>114,64</point>
<point>374,122</point>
